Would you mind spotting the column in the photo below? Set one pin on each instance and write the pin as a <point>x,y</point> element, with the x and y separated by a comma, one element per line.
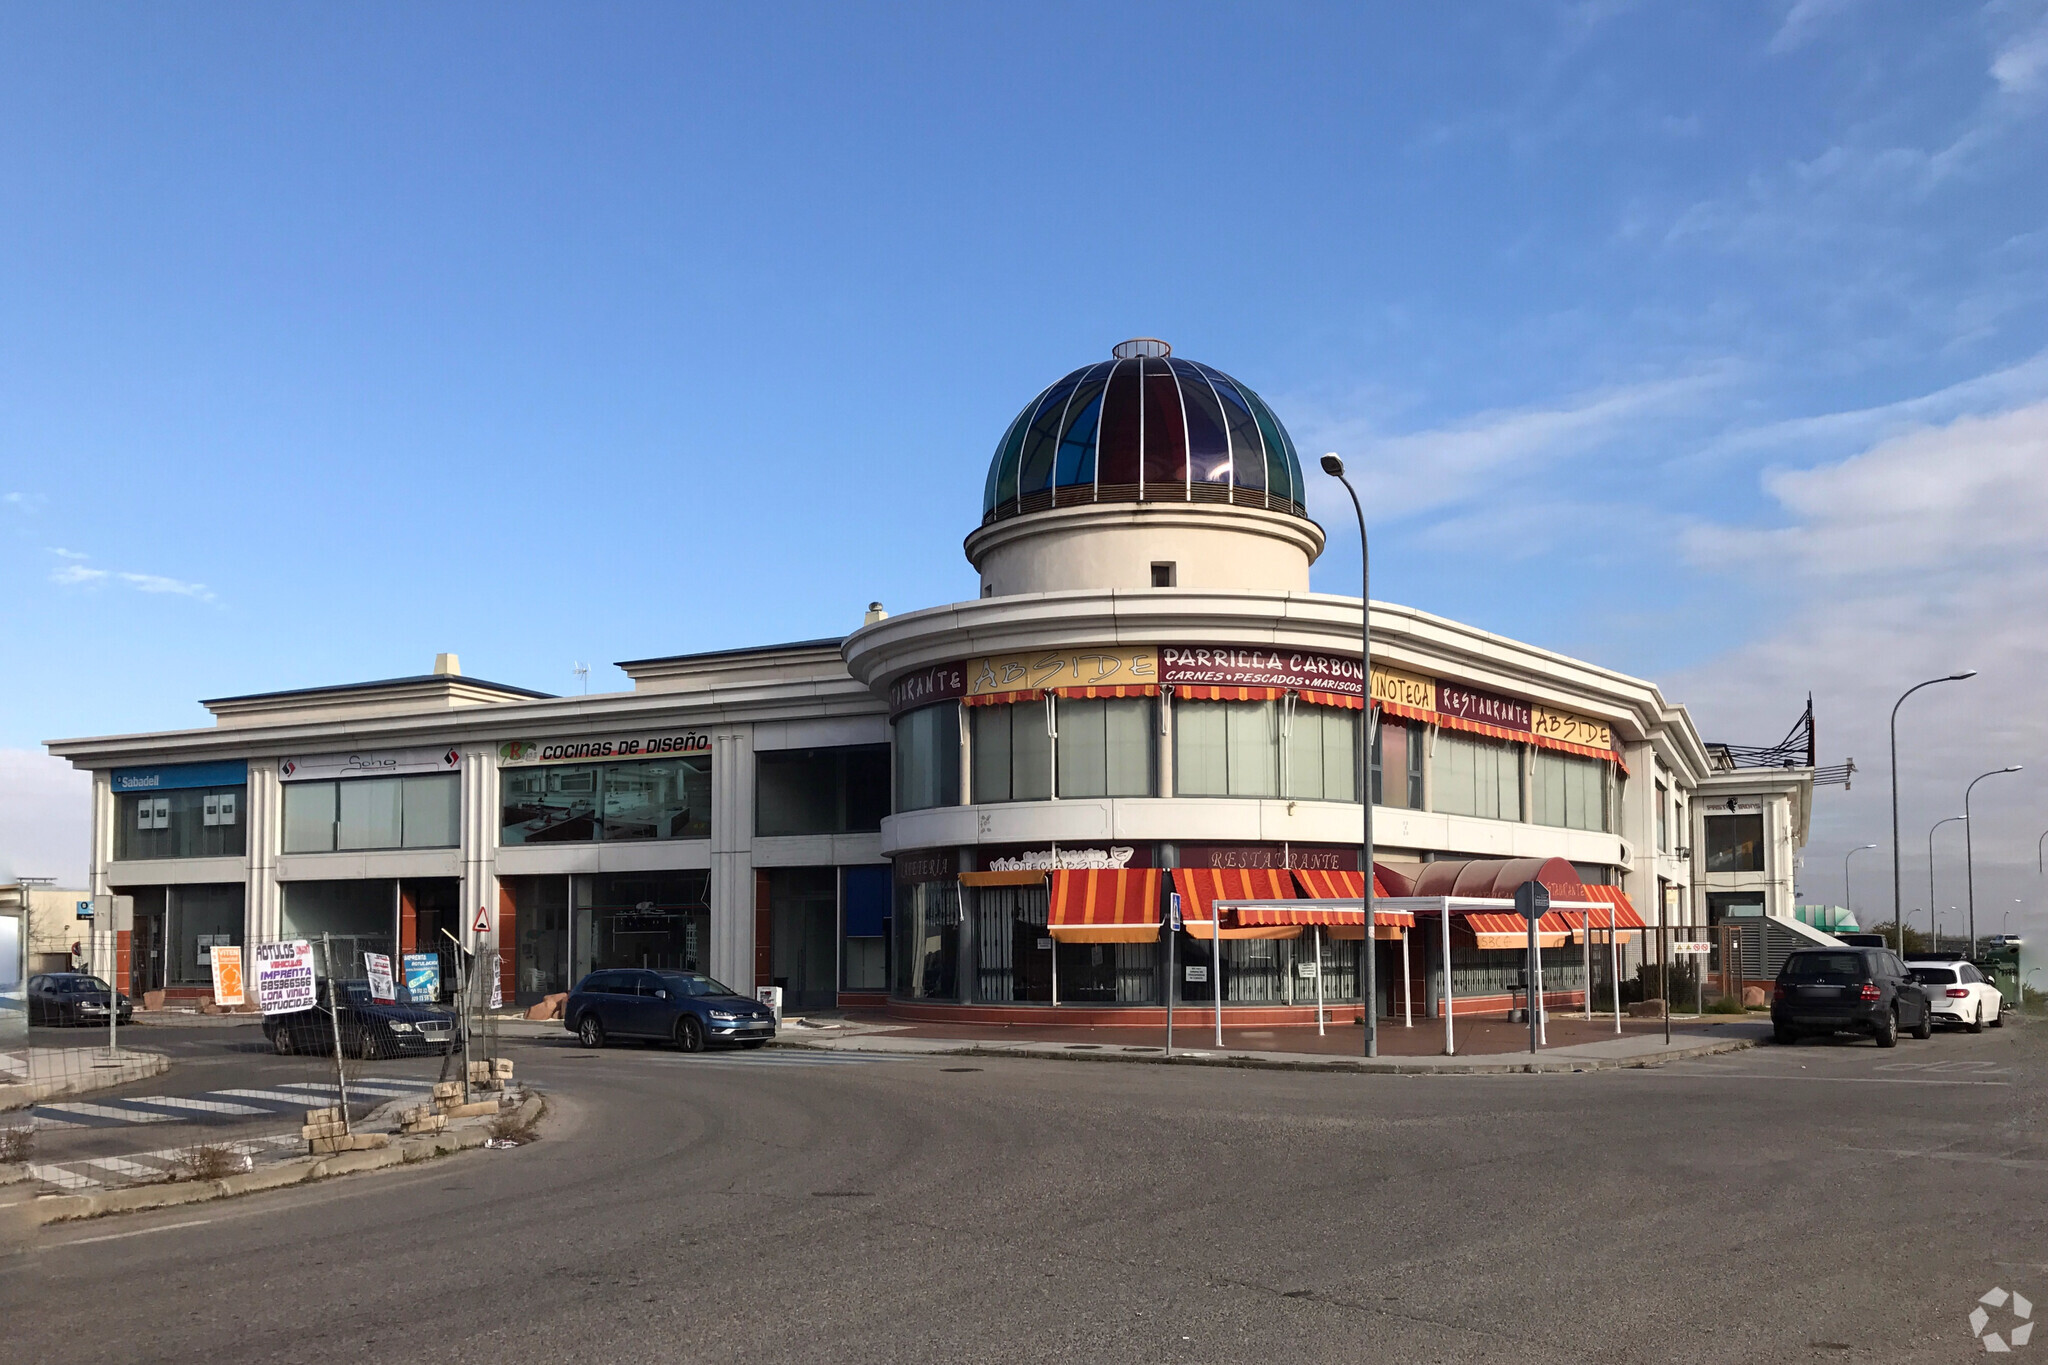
<point>479,826</point>
<point>262,897</point>
<point>732,865</point>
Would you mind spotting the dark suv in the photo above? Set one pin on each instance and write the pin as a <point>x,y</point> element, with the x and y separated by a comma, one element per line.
<point>1848,990</point>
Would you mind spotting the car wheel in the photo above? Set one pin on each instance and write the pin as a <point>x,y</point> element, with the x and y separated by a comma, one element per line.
<point>689,1033</point>
<point>1998,1019</point>
<point>1925,1028</point>
<point>590,1031</point>
<point>1976,1024</point>
<point>281,1043</point>
<point>1887,1032</point>
<point>1784,1034</point>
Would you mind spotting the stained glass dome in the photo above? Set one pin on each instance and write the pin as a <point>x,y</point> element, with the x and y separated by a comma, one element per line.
<point>1144,426</point>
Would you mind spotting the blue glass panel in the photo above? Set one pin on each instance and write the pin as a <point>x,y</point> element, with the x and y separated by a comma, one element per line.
<point>1117,455</point>
<point>1075,464</point>
<point>1208,440</point>
<point>1003,472</point>
<point>1041,438</point>
<point>1247,447</point>
<point>1166,434</point>
<point>1283,477</point>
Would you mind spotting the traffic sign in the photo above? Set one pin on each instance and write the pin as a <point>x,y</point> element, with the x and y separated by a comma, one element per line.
<point>483,920</point>
<point>1685,948</point>
<point>1532,900</point>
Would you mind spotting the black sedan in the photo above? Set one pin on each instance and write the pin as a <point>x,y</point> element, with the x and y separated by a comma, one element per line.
<point>688,1009</point>
<point>369,1028</point>
<point>1848,990</point>
<point>71,998</point>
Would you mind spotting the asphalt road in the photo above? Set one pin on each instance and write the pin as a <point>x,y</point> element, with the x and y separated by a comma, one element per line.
<point>1828,1201</point>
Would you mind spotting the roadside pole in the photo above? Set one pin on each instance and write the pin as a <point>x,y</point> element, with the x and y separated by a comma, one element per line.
<point>334,1019</point>
<point>1587,916</point>
<point>1532,902</point>
<point>1664,974</point>
<point>1613,968</point>
<point>1216,967</point>
<point>1320,1031</point>
<point>1172,985</point>
<point>461,1009</point>
<point>1450,1035</point>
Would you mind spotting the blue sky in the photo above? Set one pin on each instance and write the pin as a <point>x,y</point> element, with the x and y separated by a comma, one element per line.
<point>1707,342</point>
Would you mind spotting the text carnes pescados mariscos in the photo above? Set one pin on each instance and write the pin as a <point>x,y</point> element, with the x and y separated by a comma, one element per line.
<point>1229,667</point>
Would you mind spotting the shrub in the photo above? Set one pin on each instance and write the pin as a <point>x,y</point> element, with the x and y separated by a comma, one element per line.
<point>209,1161</point>
<point>17,1145</point>
<point>1727,1004</point>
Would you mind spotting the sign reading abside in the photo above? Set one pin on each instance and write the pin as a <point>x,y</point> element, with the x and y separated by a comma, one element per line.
<point>284,976</point>
<point>1092,666</point>
<point>369,763</point>
<point>377,966</point>
<point>227,975</point>
<point>1571,729</point>
<point>520,753</point>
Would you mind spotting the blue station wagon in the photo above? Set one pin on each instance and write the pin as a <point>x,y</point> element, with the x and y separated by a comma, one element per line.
<point>688,1009</point>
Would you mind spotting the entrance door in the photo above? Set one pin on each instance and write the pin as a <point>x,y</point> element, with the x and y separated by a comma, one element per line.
<point>804,904</point>
<point>147,950</point>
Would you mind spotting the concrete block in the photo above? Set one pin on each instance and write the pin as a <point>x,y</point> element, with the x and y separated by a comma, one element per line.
<point>444,1090</point>
<point>474,1109</point>
<point>331,1114</point>
<point>1753,997</point>
<point>501,1068</point>
<point>314,1131</point>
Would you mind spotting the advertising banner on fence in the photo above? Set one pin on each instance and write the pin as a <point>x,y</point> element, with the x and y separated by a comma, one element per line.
<point>377,966</point>
<point>227,975</point>
<point>422,978</point>
<point>284,976</point>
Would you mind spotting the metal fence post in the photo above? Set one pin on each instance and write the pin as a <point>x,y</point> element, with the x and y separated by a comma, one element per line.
<point>334,1018</point>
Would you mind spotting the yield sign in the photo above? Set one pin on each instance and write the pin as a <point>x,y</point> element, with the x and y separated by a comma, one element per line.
<point>483,921</point>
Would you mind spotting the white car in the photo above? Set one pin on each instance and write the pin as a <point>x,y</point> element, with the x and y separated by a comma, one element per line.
<point>1959,993</point>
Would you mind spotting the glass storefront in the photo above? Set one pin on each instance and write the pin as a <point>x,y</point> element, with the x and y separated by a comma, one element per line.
<point>349,918</point>
<point>928,757</point>
<point>373,813</point>
<point>864,949</point>
<point>821,791</point>
<point>541,929</point>
<point>655,920</point>
<point>192,822</point>
<point>928,940</point>
<point>660,798</point>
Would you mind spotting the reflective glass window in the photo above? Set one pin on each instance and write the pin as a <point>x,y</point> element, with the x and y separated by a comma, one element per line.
<point>1279,476</point>
<point>180,823</point>
<point>1208,440</point>
<point>1008,453</point>
<point>1735,843</point>
<point>1041,438</point>
<point>1477,776</point>
<point>372,814</point>
<point>1075,463</point>
<point>1166,433</point>
<point>1117,454</point>
<point>668,798</point>
<point>1567,790</point>
<point>927,753</point>
<point>309,812</point>
<point>1322,754</point>
<point>843,790</point>
<point>1108,746</point>
<point>928,940</point>
<point>1012,752</point>
<point>433,811</point>
<point>1247,447</point>
<point>1226,748</point>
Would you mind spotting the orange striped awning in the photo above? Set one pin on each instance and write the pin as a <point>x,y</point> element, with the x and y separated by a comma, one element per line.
<point>1204,692</point>
<point>1510,930</point>
<point>1625,916</point>
<point>1105,905</point>
<point>1201,887</point>
<point>1006,698</point>
<point>1315,697</point>
<point>1322,885</point>
<point>1027,878</point>
<point>1108,690</point>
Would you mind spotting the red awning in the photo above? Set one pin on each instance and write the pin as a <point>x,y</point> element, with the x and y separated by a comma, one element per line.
<point>1105,905</point>
<point>1205,692</point>
<point>1005,698</point>
<point>1315,697</point>
<point>1323,885</point>
<point>1509,930</point>
<point>1028,878</point>
<point>1201,887</point>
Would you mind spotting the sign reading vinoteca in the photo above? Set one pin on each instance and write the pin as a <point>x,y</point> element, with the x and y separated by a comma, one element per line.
<point>1196,665</point>
<point>1064,860</point>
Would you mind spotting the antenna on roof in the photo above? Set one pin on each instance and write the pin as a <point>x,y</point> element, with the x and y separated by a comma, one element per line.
<point>582,671</point>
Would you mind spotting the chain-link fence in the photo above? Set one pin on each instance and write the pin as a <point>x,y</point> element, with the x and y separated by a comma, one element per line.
<point>349,1051</point>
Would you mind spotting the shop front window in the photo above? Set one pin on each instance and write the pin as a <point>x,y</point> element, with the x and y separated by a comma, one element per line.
<point>821,791</point>
<point>1267,970</point>
<point>1476,776</point>
<point>927,750</point>
<point>1570,792</point>
<point>1226,748</point>
<point>184,823</point>
<point>928,940</point>
<point>348,918</point>
<point>665,798</point>
<point>373,813</point>
<point>1321,755</point>
<point>541,926</point>
<point>1405,743</point>
<point>660,921</point>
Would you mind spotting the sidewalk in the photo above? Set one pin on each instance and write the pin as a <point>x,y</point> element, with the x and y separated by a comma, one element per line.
<point>40,1073</point>
<point>1485,1046</point>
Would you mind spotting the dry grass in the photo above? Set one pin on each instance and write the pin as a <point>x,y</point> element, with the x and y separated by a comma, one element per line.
<point>510,1127</point>
<point>17,1145</point>
<point>209,1161</point>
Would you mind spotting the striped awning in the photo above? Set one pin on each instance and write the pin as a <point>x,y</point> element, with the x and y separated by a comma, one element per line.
<point>1013,878</point>
<point>1006,698</point>
<point>1625,916</point>
<point>1316,697</point>
<point>1498,931</point>
<point>1201,887</point>
<point>1092,690</point>
<point>1105,905</point>
<point>1321,885</point>
<point>1205,692</point>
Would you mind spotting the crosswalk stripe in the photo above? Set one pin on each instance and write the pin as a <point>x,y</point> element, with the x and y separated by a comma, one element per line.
<point>367,1087</point>
<point>101,1111</point>
<point>120,1165</point>
<point>284,1097</point>
<point>61,1178</point>
<point>204,1106</point>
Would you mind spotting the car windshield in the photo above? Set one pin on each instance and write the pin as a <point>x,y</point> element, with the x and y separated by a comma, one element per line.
<point>79,985</point>
<point>1836,967</point>
<point>695,983</point>
<point>1935,976</point>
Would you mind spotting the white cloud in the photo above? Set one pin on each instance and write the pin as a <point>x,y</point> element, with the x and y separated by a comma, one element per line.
<point>1924,555</point>
<point>25,502</point>
<point>45,817</point>
<point>1805,20</point>
<point>2021,65</point>
<point>75,574</point>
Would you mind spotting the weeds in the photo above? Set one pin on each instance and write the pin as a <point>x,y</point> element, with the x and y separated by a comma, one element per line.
<point>1727,1004</point>
<point>17,1145</point>
<point>209,1161</point>
<point>510,1127</point>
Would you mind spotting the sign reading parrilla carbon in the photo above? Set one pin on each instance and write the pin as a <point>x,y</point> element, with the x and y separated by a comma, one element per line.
<point>524,752</point>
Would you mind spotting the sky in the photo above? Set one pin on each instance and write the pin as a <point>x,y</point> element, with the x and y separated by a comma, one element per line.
<point>1707,342</point>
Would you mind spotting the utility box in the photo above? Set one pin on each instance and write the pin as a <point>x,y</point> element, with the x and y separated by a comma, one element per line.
<point>771,996</point>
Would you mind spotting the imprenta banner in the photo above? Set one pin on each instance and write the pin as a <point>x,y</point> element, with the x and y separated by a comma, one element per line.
<point>284,976</point>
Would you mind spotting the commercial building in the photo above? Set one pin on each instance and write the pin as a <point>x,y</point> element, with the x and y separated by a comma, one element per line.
<point>1145,686</point>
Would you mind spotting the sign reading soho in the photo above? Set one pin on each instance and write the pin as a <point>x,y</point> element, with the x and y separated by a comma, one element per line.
<point>522,752</point>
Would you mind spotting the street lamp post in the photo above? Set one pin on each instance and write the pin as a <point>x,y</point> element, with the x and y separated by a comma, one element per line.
<point>2037,852</point>
<point>1368,985</point>
<point>1848,904</point>
<point>1930,880</point>
<point>1969,850</point>
<point>1898,925</point>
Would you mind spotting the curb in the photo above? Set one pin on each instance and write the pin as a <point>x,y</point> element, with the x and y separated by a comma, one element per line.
<point>1383,1066</point>
<point>66,1208</point>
